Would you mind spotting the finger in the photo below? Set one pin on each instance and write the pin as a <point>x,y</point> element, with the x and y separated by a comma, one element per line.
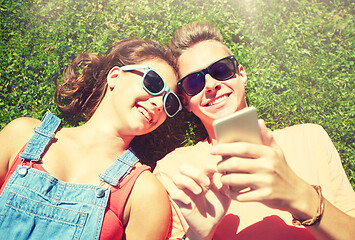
<point>186,183</point>
<point>243,180</point>
<point>209,170</point>
<point>252,195</point>
<point>198,175</point>
<point>244,187</point>
<point>233,165</point>
<point>240,149</point>
<point>237,182</point>
<point>243,165</point>
<point>266,134</point>
<point>181,198</point>
<point>234,192</point>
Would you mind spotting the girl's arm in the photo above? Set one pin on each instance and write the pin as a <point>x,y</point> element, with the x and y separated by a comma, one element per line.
<point>12,138</point>
<point>149,210</point>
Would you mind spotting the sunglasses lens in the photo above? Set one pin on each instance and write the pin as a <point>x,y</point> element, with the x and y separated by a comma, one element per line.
<point>153,82</point>
<point>222,70</point>
<point>172,104</point>
<point>194,83</point>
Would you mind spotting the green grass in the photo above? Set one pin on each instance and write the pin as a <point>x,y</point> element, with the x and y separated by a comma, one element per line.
<point>298,56</point>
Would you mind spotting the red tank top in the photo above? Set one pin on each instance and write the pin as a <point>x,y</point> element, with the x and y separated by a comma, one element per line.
<point>112,226</point>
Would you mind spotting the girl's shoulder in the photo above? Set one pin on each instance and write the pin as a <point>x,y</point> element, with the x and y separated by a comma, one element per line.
<point>20,129</point>
<point>12,138</point>
<point>148,186</point>
<point>17,133</point>
<point>148,196</point>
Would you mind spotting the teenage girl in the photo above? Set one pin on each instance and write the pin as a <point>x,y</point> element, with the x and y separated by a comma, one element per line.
<point>85,182</point>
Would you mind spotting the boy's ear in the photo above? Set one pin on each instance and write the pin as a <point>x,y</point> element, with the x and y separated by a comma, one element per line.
<point>113,76</point>
<point>242,73</point>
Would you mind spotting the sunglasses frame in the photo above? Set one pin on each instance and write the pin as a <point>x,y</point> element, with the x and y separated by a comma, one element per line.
<point>165,88</point>
<point>207,70</point>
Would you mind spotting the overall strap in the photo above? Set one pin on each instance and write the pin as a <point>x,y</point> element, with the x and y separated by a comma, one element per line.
<point>120,168</point>
<point>42,137</point>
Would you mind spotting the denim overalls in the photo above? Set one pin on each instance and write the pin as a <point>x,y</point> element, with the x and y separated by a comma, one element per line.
<point>35,205</point>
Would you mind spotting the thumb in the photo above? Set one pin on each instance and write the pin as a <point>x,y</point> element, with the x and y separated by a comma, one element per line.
<point>266,134</point>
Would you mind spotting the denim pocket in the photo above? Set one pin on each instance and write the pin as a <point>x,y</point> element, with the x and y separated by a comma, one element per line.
<point>29,219</point>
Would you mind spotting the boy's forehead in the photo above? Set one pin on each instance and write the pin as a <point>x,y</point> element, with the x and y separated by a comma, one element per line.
<point>200,56</point>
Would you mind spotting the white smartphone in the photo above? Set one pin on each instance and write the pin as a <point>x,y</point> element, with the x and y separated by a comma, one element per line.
<point>239,126</point>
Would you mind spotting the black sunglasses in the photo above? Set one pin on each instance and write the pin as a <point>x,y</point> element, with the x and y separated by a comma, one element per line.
<point>221,70</point>
<point>154,84</point>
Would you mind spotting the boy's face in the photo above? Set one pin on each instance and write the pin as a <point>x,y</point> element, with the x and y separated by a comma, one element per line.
<point>218,98</point>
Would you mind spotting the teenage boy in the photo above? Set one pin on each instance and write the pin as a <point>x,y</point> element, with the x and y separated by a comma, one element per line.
<point>294,185</point>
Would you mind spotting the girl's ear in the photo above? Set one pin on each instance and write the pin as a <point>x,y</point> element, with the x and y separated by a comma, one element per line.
<point>113,76</point>
<point>242,74</point>
<point>185,101</point>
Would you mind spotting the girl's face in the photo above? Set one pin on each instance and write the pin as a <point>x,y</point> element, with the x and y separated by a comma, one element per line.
<point>137,111</point>
<point>218,98</point>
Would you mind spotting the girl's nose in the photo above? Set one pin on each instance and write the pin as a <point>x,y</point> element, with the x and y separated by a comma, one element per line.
<point>157,102</point>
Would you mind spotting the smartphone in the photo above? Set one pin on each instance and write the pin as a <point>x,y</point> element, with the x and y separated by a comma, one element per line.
<point>239,126</point>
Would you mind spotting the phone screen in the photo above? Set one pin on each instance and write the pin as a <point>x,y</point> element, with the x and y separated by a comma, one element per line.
<point>239,126</point>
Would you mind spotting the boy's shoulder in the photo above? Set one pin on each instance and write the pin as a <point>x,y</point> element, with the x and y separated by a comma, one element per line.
<point>299,130</point>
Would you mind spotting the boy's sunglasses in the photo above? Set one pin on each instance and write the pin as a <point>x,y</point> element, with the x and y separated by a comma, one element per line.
<point>221,70</point>
<point>154,84</point>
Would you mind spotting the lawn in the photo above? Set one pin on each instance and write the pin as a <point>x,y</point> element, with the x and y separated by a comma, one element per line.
<point>298,56</point>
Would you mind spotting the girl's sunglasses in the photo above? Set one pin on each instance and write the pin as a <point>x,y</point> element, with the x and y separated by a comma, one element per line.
<point>154,84</point>
<point>221,70</point>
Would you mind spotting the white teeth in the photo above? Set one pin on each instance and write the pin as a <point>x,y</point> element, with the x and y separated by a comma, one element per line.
<point>145,113</point>
<point>218,100</point>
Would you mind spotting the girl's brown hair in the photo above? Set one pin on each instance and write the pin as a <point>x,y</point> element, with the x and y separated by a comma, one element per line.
<point>84,80</point>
